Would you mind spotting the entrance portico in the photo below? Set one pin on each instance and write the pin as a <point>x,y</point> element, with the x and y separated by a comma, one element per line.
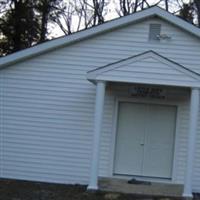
<point>140,69</point>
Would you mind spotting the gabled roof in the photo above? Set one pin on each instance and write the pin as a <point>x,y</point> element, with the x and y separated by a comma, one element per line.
<point>123,21</point>
<point>146,68</point>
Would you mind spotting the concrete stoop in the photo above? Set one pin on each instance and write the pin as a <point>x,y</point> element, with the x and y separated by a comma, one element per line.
<point>153,189</point>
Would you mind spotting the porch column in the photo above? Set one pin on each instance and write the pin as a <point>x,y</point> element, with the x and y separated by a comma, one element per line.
<point>194,110</point>
<point>99,105</point>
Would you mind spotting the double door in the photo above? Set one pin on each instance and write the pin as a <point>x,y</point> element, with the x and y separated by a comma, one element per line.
<point>145,140</point>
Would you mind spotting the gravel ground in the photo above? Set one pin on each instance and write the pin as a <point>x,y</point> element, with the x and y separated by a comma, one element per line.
<point>25,190</point>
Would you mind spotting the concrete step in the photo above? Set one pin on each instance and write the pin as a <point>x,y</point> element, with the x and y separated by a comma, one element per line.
<point>153,189</point>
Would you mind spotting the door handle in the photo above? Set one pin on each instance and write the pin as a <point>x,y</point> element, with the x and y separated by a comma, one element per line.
<point>142,144</point>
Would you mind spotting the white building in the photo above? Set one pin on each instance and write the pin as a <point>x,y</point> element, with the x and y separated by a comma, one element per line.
<point>144,70</point>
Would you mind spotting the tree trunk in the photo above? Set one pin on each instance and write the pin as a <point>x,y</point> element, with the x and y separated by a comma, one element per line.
<point>43,27</point>
<point>166,5</point>
<point>45,9</point>
<point>136,5</point>
<point>17,26</point>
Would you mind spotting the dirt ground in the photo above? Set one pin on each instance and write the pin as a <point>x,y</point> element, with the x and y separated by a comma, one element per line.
<point>24,190</point>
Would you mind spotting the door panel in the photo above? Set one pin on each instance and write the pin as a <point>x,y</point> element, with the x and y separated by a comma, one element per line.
<point>129,152</point>
<point>145,140</point>
<point>159,141</point>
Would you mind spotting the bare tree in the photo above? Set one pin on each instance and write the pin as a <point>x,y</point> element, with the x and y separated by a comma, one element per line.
<point>166,5</point>
<point>64,17</point>
<point>98,8</point>
<point>126,7</point>
<point>84,11</point>
<point>76,15</point>
<point>80,14</point>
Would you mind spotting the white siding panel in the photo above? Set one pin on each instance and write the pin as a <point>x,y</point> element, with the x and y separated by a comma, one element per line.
<point>46,124</point>
<point>47,105</point>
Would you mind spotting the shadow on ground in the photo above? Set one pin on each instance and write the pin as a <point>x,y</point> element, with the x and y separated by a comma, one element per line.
<point>24,190</point>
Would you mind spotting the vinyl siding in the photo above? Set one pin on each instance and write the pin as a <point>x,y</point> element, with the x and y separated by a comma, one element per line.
<point>47,105</point>
<point>46,128</point>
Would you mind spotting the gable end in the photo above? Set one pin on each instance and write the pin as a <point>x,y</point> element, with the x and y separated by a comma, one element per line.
<point>148,67</point>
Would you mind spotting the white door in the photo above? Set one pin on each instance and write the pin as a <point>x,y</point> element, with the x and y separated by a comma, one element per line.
<point>145,140</point>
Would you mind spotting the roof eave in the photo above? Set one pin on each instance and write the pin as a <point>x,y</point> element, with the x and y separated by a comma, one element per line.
<point>64,41</point>
<point>67,40</point>
<point>182,84</point>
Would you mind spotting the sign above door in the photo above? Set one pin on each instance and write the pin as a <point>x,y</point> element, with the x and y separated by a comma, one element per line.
<point>150,92</point>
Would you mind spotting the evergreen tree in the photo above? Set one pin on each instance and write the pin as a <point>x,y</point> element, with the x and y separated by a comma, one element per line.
<point>24,23</point>
<point>19,28</point>
<point>187,12</point>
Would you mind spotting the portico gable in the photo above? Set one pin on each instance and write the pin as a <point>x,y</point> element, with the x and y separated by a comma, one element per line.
<point>146,68</point>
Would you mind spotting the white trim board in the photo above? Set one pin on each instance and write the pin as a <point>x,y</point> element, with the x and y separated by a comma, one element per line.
<point>88,33</point>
